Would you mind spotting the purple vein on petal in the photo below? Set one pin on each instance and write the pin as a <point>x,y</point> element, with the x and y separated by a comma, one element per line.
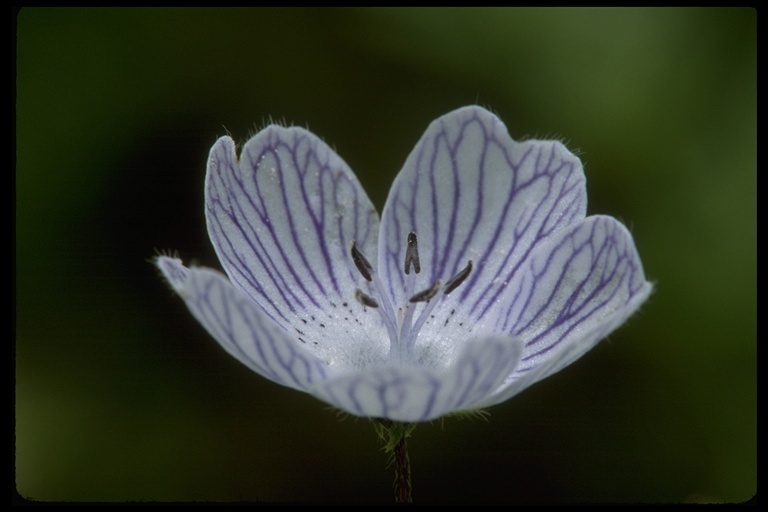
<point>210,317</point>
<point>508,268</point>
<point>432,400</point>
<point>611,282</point>
<point>535,188</point>
<point>272,150</point>
<point>466,383</point>
<point>283,253</point>
<point>234,213</point>
<point>221,183</point>
<point>317,223</point>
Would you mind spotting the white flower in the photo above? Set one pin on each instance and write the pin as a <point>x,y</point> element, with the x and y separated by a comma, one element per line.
<point>483,276</point>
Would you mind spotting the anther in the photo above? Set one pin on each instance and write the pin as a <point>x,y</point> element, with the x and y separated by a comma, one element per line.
<point>459,278</point>
<point>361,263</point>
<point>412,254</point>
<point>425,295</point>
<point>365,300</point>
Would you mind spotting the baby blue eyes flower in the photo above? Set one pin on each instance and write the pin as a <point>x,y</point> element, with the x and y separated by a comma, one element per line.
<point>482,276</point>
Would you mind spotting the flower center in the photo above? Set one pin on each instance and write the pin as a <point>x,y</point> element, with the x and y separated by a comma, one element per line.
<point>400,323</point>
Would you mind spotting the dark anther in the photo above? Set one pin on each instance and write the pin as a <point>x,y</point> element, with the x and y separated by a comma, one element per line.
<point>459,278</point>
<point>361,263</point>
<point>412,254</point>
<point>365,300</point>
<point>425,295</point>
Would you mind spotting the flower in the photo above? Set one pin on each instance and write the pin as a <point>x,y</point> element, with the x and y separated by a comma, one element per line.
<point>485,274</point>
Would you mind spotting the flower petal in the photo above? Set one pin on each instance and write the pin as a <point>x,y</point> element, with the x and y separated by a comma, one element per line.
<point>282,220</point>
<point>472,193</point>
<point>412,393</point>
<point>241,328</point>
<point>572,293</point>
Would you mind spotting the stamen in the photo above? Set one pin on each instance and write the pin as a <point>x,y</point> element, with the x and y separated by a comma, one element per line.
<point>365,300</point>
<point>386,311</point>
<point>425,295</point>
<point>361,263</point>
<point>459,278</point>
<point>412,254</point>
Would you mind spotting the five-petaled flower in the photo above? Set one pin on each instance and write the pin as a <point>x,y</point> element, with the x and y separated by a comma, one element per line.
<point>483,275</point>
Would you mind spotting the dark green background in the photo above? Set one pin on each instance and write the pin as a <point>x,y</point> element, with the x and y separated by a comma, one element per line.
<point>121,395</point>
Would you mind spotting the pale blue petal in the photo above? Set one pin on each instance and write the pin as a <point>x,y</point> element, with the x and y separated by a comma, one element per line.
<point>241,328</point>
<point>413,394</point>
<point>282,220</point>
<point>472,193</point>
<point>570,294</point>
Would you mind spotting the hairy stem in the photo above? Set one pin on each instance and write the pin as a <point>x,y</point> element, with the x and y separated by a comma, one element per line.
<point>402,472</point>
<point>393,435</point>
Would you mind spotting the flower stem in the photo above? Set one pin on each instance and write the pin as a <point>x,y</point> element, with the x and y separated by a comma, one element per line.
<point>402,472</point>
<point>394,435</point>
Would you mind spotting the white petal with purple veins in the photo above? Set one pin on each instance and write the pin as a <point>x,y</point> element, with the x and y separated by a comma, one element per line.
<point>470,192</point>
<point>282,219</point>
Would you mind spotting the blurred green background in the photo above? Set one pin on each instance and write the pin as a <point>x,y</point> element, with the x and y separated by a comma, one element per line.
<point>121,395</point>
